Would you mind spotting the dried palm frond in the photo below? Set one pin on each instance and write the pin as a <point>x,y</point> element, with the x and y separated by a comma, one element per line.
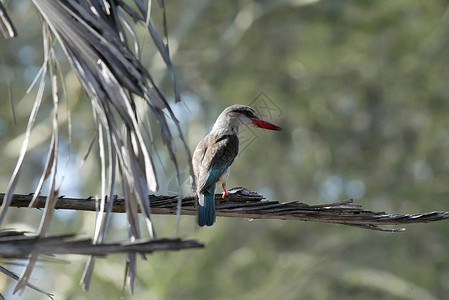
<point>93,38</point>
<point>19,245</point>
<point>6,27</point>
<point>242,203</point>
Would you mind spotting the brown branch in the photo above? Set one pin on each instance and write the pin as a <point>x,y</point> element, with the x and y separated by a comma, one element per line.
<point>245,204</point>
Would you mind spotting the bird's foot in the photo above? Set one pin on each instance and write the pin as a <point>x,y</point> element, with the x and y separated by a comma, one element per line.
<point>225,192</point>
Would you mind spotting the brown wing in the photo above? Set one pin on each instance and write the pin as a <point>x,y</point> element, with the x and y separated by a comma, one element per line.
<point>213,155</point>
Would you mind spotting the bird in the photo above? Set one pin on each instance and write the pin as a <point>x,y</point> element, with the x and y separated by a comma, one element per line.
<point>216,152</point>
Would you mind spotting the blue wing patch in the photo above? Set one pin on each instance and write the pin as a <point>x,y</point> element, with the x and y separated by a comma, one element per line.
<point>214,174</point>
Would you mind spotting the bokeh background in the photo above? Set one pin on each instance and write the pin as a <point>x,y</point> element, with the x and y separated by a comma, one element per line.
<point>361,89</point>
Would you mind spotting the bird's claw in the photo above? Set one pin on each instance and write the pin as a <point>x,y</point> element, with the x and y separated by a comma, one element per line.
<point>225,192</point>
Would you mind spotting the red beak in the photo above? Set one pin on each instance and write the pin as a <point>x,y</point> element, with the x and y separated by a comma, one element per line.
<point>264,124</point>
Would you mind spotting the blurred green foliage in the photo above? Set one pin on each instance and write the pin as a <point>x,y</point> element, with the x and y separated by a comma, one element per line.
<point>361,90</point>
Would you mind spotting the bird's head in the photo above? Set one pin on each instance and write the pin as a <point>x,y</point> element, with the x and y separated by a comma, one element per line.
<point>236,117</point>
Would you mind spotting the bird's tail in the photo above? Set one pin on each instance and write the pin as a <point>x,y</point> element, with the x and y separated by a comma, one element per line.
<point>206,207</point>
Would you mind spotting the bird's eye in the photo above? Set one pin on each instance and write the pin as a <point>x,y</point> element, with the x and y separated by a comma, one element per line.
<point>247,113</point>
<point>250,114</point>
